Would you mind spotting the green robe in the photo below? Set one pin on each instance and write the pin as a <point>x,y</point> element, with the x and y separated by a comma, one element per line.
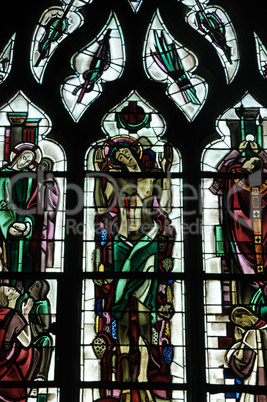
<point>133,259</point>
<point>40,339</point>
<point>18,258</point>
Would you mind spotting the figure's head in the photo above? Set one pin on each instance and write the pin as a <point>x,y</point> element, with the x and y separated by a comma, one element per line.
<point>124,154</point>
<point>45,165</point>
<point>7,293</point>
<point>243,317</point>
<point>23,159</point>
<point>39,289</point>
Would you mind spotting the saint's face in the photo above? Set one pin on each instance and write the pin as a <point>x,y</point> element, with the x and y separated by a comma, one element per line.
<point>125,156</point>
<point>43,166</point>
<point>11,292</point>
<point>24,160</point>
<point>34,289</point>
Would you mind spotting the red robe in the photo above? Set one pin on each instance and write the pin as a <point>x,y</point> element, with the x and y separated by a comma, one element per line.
<point>244,216</point>
<point>16,362</point>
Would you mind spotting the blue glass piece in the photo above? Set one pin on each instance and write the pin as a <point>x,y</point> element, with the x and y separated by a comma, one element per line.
<point>167,354</point>
<point>98,306</point>
<point>114,329</point>
<point>101,237</point>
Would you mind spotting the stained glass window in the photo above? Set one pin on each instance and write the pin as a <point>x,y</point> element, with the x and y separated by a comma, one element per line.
<point>132,175</point>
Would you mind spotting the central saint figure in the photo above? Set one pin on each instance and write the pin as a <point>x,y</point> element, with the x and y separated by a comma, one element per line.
<point>139,201</point>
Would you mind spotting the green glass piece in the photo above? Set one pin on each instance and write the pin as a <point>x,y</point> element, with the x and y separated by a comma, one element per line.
<point>219,241</point>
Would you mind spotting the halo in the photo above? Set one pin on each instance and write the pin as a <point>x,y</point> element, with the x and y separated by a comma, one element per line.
<point>27,146</point>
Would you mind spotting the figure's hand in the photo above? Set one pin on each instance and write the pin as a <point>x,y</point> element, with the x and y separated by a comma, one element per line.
<point>254,146</point>
<point>17,229</point>
<point>27,306</point>
<point>166,158</point>
<point>20,229</point>
<point>99,159</point>
<point>239,333</point>
<point>242,146</point>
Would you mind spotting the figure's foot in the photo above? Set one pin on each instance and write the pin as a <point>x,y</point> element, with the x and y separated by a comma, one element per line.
<point>40,377</point>
<point>126,396</point>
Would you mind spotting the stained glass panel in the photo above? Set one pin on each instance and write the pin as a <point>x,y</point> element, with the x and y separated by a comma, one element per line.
<point>28,343</point>
<point>24,127</point>
<point>32,232</point>
<point>133,328</point>
<point>234,237</point>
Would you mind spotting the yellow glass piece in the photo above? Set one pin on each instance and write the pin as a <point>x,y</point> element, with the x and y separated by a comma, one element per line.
<point>169,294</point>
<point>167,331</point>
<point>101,268</point>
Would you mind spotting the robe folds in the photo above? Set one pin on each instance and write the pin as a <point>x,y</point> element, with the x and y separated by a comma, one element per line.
<point>243,203</point>
<point>250,365</point>
<point>45,200</point>
<point>16,362</point>
<point>134,259</point>
<point>14,199</point>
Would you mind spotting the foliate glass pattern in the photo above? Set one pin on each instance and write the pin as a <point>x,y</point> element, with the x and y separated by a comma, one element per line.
<point>214,23</point>
<point>101,61</point>
<point>168,61</point>
<point>55,24</point>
